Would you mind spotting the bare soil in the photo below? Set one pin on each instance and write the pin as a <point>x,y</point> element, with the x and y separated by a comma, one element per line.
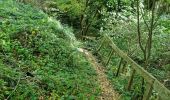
<point>107,90</point>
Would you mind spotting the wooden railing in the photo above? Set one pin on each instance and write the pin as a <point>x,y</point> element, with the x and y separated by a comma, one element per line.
<point>151,82</point>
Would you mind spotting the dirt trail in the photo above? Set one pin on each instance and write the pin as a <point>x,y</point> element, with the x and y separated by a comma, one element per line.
<point>107,90</point>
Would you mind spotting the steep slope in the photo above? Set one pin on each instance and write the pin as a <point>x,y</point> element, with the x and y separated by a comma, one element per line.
<point>39,59</point>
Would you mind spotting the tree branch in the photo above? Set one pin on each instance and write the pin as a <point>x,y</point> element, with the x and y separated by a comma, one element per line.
<point>138,28</point>
<point>144,19</point>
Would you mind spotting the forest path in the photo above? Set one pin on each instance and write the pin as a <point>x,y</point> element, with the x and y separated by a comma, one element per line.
<point>107,90</point>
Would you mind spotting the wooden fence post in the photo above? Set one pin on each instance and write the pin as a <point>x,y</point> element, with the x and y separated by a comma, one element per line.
<point>125,64</point>
<point>102,43</point>
<point>119,67</point>
<point>131,80</point>
<point>148,91</point>
<point>110,55</point>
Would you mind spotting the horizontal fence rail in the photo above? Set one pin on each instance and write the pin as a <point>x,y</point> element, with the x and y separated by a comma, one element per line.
<point>152,82</point>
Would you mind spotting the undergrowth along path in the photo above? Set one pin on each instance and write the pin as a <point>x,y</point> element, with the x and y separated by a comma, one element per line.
<point>107,90</point>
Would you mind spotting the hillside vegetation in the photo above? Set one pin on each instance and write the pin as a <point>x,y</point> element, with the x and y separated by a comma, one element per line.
<point>85,49</point>
<point>39,57</point>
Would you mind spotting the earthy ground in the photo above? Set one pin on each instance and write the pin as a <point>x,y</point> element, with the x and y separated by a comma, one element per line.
<point>107,90</point>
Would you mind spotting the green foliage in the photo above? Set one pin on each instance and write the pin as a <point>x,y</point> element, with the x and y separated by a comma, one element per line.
<point>83,15</point>
<point>42,54</point>
<point>39,57</point>
<point>122,28</point>
<point>67,6</point>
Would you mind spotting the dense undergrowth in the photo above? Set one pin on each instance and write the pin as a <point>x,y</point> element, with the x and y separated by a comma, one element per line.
<point>39,57</point>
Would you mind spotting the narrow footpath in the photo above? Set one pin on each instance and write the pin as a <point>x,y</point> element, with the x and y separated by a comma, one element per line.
<point>107,90</point>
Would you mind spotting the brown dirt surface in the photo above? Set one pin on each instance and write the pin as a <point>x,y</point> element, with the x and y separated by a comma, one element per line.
<point>107,90</point>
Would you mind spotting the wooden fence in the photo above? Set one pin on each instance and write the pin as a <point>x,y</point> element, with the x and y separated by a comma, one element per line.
<point>151,82</point>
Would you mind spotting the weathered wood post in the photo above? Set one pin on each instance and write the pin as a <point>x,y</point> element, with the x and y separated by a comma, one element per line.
<point>110,55</point>
<point>125,64</point>
<point>102,43</point>
<point>131,80</point>
<point>148,90</point>
<point>119,67</point>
